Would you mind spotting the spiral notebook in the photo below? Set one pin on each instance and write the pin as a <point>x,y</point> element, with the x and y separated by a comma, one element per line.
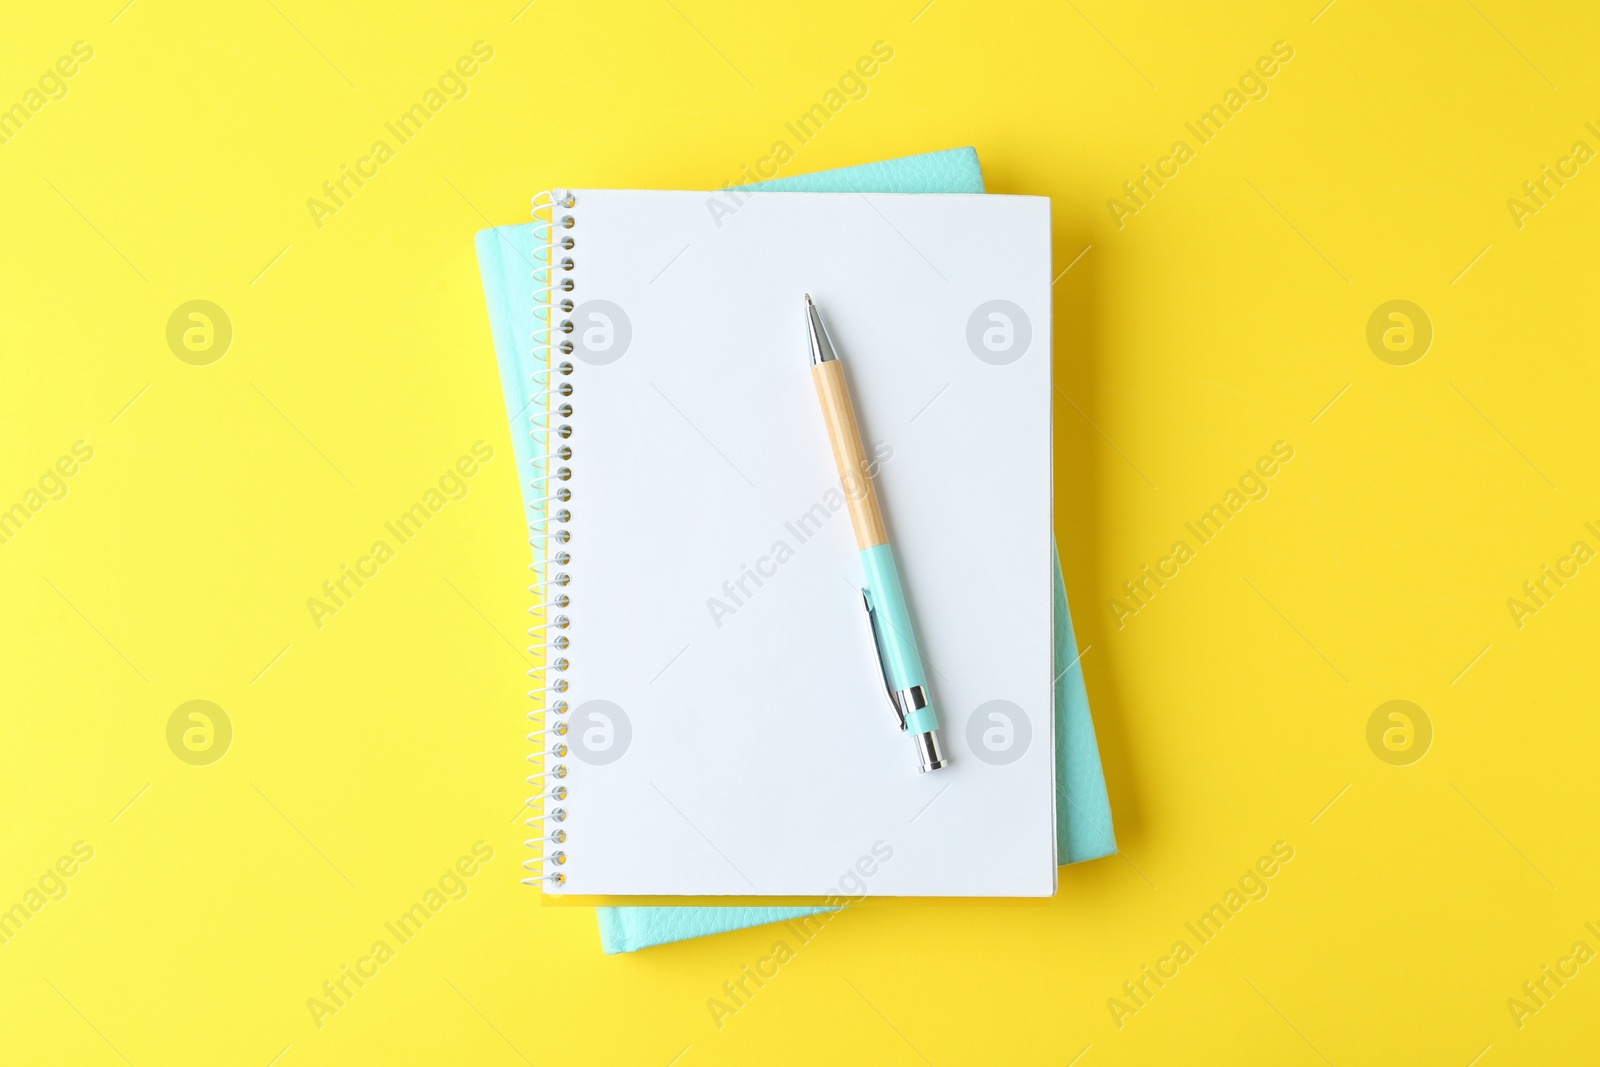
<point>713,720</point>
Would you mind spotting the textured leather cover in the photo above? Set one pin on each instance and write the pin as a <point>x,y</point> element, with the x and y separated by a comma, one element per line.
<point>954,170</point>
<point>1083,809</point>
<point>630,929</point>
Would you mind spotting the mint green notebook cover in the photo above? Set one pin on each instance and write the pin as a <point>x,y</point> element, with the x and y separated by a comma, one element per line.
<point>1083,809</point>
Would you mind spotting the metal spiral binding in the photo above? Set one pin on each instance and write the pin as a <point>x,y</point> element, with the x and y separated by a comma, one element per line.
<point>548,534</point>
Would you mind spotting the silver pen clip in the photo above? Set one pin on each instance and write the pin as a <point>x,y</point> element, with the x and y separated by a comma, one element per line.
<point>877,652</point>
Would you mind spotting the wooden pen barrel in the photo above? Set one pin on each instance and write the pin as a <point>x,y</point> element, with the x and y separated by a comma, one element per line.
<point>849,454</point>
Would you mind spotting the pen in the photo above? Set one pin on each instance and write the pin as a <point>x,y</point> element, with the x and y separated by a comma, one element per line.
<point>893,639</point>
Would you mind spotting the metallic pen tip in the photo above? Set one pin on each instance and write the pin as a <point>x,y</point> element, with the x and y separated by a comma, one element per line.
<point>817,334</point>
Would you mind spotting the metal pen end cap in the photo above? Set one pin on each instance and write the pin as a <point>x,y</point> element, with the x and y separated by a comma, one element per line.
<point>930,756</point>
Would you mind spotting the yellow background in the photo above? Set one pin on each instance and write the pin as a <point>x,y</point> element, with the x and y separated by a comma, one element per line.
<point>370,754</point>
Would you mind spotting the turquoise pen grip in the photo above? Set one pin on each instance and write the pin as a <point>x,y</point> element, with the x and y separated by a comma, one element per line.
<point>901,659</point>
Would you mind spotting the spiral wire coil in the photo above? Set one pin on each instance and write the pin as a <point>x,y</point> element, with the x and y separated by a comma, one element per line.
<point>548,534</point>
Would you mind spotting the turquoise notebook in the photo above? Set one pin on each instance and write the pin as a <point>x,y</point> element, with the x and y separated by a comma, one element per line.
<point>1083,815</point>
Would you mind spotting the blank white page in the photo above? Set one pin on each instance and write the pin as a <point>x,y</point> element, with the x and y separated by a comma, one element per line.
<point>715,577</point>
